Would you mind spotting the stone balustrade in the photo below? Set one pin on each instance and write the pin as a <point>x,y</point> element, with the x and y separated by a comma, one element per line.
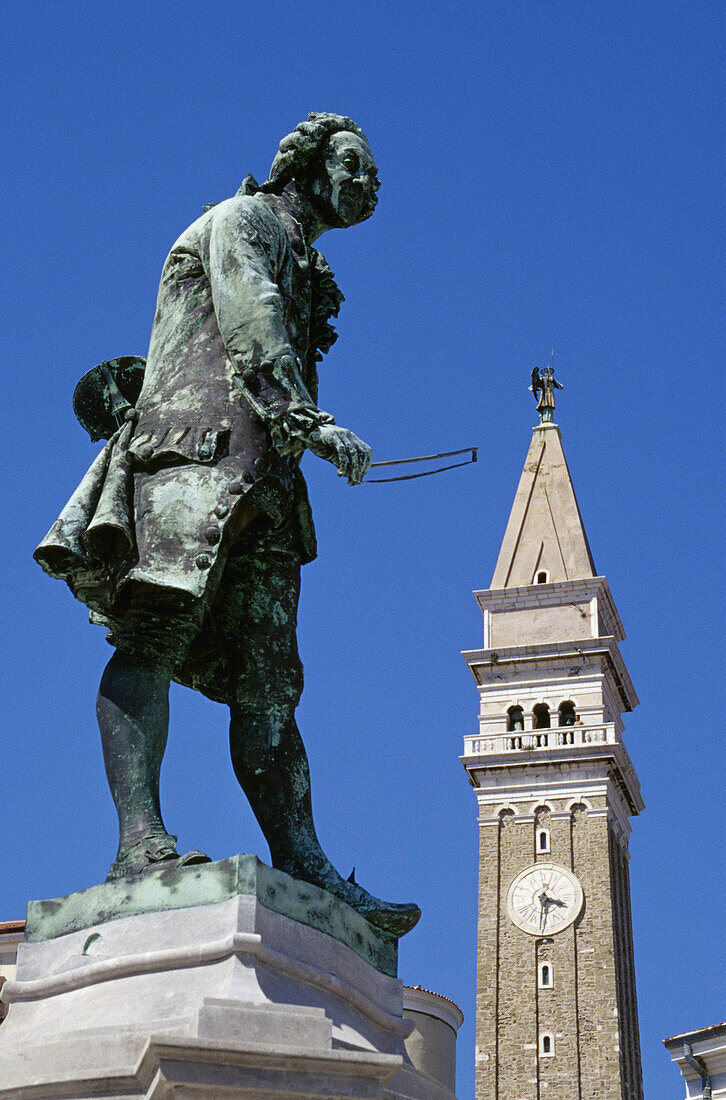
<point>528,740</point>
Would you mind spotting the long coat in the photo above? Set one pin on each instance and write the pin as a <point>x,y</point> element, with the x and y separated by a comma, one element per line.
<point>230,386</point>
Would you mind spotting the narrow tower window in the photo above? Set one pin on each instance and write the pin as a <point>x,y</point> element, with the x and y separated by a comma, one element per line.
<point>543,840</point>
<point>541,714</point>
<point>545,975</point>
<point>566,713</point>
<point>542,576</point>
<point>515,718</point>
<point>546,1044</point>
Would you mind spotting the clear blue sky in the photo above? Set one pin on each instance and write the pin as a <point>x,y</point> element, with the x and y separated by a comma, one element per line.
<point>550,178</point>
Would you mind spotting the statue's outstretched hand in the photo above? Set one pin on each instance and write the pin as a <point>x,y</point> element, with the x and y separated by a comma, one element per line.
<point>344,449</point>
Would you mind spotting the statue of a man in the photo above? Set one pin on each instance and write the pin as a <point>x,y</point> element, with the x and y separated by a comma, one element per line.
<point>187,534</point>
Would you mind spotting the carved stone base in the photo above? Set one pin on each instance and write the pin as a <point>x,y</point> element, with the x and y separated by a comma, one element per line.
<point>223,998</point>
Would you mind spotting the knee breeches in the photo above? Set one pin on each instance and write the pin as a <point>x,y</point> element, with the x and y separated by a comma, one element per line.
<point>248,623</point>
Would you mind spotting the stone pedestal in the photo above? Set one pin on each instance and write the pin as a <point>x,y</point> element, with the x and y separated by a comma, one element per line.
<point>224,980</point>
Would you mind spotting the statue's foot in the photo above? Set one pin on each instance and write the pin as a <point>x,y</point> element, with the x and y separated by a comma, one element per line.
<point>149,854</point>
<point>395,919</point>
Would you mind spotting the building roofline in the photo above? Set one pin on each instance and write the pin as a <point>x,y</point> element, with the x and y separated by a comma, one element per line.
<point>10,926</point>
<point>419,999</point>
<point>711,1032</point>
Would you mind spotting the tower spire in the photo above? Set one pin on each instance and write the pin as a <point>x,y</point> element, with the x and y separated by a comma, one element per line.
<point>545,538</point>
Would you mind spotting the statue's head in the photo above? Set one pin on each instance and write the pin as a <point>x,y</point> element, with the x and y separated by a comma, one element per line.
<point>329,159</point>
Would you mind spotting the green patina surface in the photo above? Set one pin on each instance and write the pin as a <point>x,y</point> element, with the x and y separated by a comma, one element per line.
<point>207,884</point>
<point>186,535</point>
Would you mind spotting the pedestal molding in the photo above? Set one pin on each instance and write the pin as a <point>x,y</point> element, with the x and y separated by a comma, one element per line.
<point>161,1068</point>
<point>241,943</point>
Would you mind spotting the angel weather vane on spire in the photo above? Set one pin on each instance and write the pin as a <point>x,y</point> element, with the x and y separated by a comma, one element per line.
<point>543,387</point>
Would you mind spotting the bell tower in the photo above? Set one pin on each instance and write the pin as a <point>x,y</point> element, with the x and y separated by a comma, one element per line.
<point>555,787</point>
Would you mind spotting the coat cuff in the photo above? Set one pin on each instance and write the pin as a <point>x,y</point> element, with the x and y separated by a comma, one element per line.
<point>278,395</point>
<point>290,433</point>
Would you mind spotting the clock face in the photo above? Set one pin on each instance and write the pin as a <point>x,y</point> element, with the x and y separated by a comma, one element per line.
<point>544,899</point>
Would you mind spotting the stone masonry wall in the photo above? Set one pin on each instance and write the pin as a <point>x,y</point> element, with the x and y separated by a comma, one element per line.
<point>625,972</point>
<point>591,999</point>
<point>557,1007</point>
<point>517,1023</point>
<point>600,1077</point>
<point>487,994</point>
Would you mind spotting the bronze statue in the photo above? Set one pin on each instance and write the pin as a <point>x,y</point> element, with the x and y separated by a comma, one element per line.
<point>544,384</point>
<point>186,536</point>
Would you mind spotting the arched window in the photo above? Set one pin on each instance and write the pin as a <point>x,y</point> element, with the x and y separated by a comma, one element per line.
<point>542,827</point>
<point>541,714</point>
<point>566,713</point>
<point>546,978</point>
<point>543,576</point>
<point>515,718</point>
<point>547,1044</point>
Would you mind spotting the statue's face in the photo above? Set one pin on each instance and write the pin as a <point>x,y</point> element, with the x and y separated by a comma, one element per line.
<point>344,183</point>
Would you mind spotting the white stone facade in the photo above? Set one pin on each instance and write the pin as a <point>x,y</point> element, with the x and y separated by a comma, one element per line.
<point>431,1045</point>
<point>520,766</point>
<point>701,1057</point>
<point>11,936</point>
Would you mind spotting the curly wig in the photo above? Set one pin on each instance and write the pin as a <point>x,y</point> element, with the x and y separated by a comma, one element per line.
<point>299,148</point>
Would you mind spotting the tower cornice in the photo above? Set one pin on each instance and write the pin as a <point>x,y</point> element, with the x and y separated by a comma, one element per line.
<point>497,664</point>
<point>546,769</point>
